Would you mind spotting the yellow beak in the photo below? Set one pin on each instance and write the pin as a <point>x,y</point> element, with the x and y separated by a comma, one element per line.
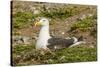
<point>37,24</point>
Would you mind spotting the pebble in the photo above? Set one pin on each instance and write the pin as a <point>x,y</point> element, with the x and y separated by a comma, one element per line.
<point>63,33</point>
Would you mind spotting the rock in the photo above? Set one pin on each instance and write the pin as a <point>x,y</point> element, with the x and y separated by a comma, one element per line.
<point>82,17</point>
<point>36,12</point>
<point>63,33</point>
<point>21,40</point>
<point>92,46</point>
<point>26,40</point>
<point>90,15</point>
<point>17,40</point>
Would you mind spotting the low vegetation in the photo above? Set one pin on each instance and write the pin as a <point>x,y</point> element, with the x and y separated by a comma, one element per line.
<point>26,55</point>
<point>20,19</point>
<point>23,16</point>
<point>86,25</point>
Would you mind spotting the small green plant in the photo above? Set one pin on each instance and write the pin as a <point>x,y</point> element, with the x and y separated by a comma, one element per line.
<point>83,25</point>
<point>20,48</point>
<point>20,19</point>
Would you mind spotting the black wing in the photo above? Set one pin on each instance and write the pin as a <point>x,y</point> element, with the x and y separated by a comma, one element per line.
<point>59,43</point>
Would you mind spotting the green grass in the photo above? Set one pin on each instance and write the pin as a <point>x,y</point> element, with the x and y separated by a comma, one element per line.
<point>27,55</point>
<point>56,14</point>
<point>20,19</point>
<point>84,25</point>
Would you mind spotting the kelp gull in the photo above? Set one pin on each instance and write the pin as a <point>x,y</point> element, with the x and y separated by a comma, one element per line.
<point>46,41</point>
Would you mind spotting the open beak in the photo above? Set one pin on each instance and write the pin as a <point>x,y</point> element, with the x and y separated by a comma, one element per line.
<point>37,24</point>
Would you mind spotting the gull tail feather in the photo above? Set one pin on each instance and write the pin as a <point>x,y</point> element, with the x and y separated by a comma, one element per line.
<point>79,42</point>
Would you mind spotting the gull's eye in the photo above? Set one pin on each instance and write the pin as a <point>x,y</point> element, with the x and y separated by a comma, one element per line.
<point>43,20</point>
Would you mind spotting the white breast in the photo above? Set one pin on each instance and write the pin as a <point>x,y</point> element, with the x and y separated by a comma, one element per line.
<point>42,41</point>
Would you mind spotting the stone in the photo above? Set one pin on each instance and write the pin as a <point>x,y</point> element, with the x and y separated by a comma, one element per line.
<point>36,12</point>
<point>21,40</point>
